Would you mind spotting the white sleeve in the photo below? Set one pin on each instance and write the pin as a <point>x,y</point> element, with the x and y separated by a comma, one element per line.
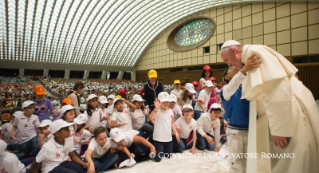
<point>178,122</point>
<point>233,85</point>
<point>86,135</point>
<point>200,125</point>
<point>194,125</point>
<point>41,155</point>
<point>113,117</point>
<point>12,166</point>
<point>179,111</point>
<point>217,131</point>
<point>201,94</point>
<point>92,145</point>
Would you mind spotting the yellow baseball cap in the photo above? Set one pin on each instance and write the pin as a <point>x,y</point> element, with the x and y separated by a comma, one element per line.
<point>177,82</point>
<point>152,74</point>
<point>118,96</point>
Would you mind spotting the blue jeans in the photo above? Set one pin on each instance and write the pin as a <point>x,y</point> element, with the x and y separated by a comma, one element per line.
<point>146,130</point>
<point>198,114</point>
<point>202,143</point>
<point>181,146</point>
<point>163,149</point>
<point>29,147</point>
<point>68,167</point>
<point>13,147</point>
<point>104,162</point>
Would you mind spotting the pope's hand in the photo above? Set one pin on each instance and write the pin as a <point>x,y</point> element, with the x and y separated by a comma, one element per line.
<point>279,141</point>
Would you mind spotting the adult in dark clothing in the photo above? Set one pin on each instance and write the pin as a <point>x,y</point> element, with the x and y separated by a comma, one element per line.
<point>151,89</point>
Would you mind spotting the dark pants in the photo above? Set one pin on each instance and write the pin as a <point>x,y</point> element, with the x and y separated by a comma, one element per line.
<point>68,167</point>
<point>30,146</point>
<point>163,149</point>
<point>198,114</point>
<point>146,130</point>
<point>202,143</point>
<point>181,146</point>
<point>28,161</point>
<point>13,147</point>
<point>137,149</point>
<point>104,162</point>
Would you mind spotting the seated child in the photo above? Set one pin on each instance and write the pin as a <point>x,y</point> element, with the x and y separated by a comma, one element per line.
<point>185,125</point>
<point>12,145</point>
<point>44,134</point>
<point>65,101</point>
<point>138,117</point>
<point>121,118</point>
<point>110,108</point>
<point>93,113</point>
<point>133,142</point>
<point>164,124</point>
<point>24,130</point>
<point>55,152</point>
<point>82,135</point>
<point>174,107</point>
<point>9,162</point>
<point>105,115</point>
<point>208,127</point>
<point>99,154</point>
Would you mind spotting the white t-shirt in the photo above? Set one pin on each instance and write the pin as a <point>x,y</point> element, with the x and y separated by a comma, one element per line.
<point>97,150</point>
<point>138,118</point>
<point>204,95</point>
<point>26,128</point>
<point>6,132</point>
<point>182,102</point>
<point>10,163</point>
<point>110,109</point>
<point>123,117</point>
<point>84,136</point>
<point>53,154</point>
<point>202,79</point>
<point>176,92</point>
<point>104,113</point>
<point>176,110</point>
<point>163,125</point>
<point>186,128</point>
<point>128,140</point>
<point>94,120</point>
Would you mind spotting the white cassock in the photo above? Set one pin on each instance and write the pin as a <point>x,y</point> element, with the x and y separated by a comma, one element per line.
<point>286,108</point>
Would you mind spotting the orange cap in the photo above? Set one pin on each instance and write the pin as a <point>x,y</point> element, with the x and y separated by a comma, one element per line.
<point>67,101</point>
<point>39,90</point>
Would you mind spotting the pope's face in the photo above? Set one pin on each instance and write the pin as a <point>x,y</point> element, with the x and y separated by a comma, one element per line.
<point>232,58</point>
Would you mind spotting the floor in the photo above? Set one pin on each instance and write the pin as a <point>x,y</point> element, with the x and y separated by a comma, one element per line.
<point>204,161</point>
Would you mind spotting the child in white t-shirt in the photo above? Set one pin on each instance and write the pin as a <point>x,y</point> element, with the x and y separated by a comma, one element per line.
<point>185,125</point>
<point>138,118</point>
<point>24,130</point>
<point>105,115</point>
<point>44,134</point>
<point>121,118</point>
<point>204,94</point>
<point>101,153</point>
<point>187,96</point>
<point>54,154</point>
<point>110,108</point>
<point>9,162</point>
<point>175,108</point>
<point>80,134</point>
<point>12,145</point>
<point>93,113</point>
<point>164,124</point>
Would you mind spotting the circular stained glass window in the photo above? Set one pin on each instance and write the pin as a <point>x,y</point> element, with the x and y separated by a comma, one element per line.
<point>191,35</point>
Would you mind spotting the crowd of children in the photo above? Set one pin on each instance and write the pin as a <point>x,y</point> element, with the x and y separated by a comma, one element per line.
<point>93,137</point>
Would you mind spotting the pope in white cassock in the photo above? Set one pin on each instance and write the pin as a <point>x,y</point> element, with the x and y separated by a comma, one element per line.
<point>287,113</point>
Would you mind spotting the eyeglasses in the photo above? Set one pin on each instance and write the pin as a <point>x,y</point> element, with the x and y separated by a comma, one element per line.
<point>39,109</point>
<point>187,111</point>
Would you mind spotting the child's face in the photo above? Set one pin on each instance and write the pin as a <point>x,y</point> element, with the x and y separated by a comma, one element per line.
<point>220,84</point>
<point>44,130</point>
<point>63,133</point>
<point>110,101</point>
<point>207,73</point>
<point>188,112</point>
<point>138,104</point>
<point>232,71</point>
<point>164,105</point>
<point>172,104</point>
<point>214,83</point>
<point>214,115</point>
<point>195,87</point>
<point>209,89</point>
<point>101,139</point>
<point>119,106</point>
<point>152,80</point>
<point>102,105</point>
<point>29,110</point>
<point>69,116</point>
<point>177,86</point>
<point>93,102</point>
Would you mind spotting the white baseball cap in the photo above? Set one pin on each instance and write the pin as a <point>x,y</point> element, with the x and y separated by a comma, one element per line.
<point>55,103</point>
<point>187,106</point>
<point>215,106</point>
<point>209,83</point>
<point>173,98</point>
<point>91,96</point>
<point>58,124</point>
<point>102,99</point>
<point>230,43</point>
<point>190,87</point>
<point>116,134</point>
<point>27,103</point>
<point>82,107</point>
<point>138,98</point>
<point>45,123</point>
<point>111,96</point>
<point>66,108</point>
<point>81,119</point>
<point>163,97</point>
<point>116,100</point>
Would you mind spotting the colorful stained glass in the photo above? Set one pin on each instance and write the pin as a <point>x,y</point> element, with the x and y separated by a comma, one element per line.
<point>194,32</point>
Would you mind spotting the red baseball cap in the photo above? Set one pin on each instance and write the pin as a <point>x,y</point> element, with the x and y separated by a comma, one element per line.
<point>212,78</point>
<point>122,92</point>
<point>195,83</point>
<point>207,67</point>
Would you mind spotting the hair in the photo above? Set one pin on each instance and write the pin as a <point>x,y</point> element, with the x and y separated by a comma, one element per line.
<point>224,74</point>
<point>78,85</point>
<point>183,83</point>
<point>62,116</point>
<point>89,109</point>
<point>184,95</point>
<point>107,105</point>
<point>142,107</point>
<point>99,130</point>
<point>215,110</point>
<point>226,49</point>
<point>79,129</point>
<point>220,81</point>
<point>203,73</point>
